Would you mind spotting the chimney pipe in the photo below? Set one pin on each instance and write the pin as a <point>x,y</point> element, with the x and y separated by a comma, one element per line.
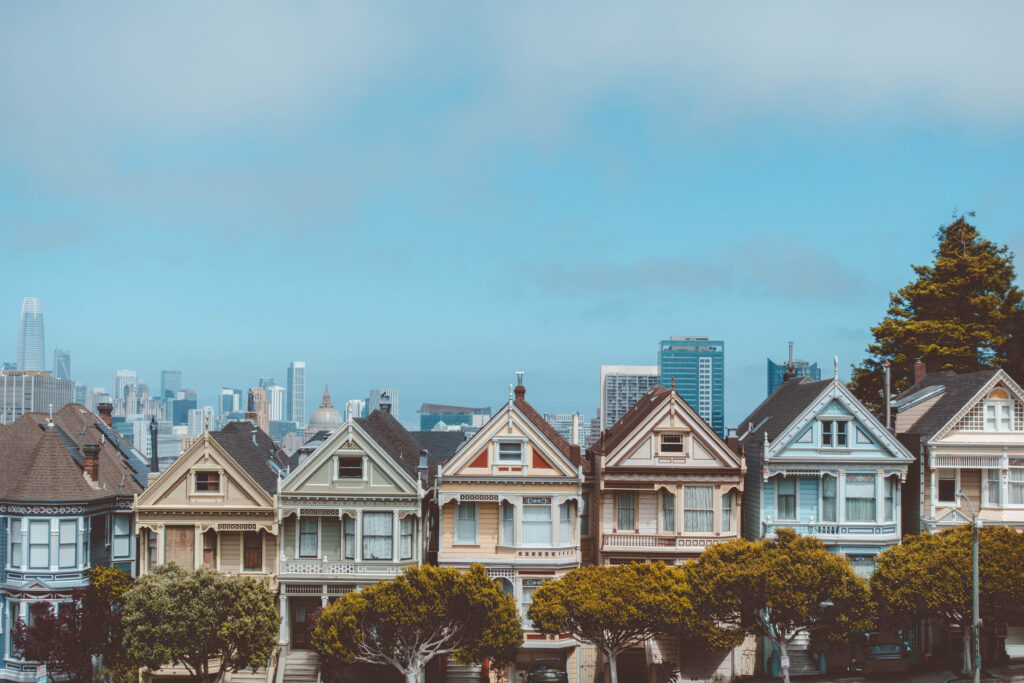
<point>154,460</point>
<point>421,470</point>
<point>920,370</point>
<point>106,410</point>
<point>886,390</point>
<point>91,462</point>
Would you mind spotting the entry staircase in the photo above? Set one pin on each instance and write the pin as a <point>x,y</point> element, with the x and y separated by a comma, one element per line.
<point>460,673</point>
<point>801,661</point>
<point>302,666</point>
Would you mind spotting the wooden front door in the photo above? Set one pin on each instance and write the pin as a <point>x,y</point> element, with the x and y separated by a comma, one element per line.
<point>180,545</point>
<point>303,610</point>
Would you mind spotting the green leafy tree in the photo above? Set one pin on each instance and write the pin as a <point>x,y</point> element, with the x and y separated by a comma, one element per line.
<point>424,612</point>
<point>779,588</point>
<point>192,616</point>
<point>962,313</point>
<point>930,576</point>
<point>614,607</point>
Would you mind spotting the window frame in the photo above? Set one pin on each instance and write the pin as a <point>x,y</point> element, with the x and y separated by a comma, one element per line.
<point>73,544</point>
<point>538,524</point>
<point>668,512</point>
<point>1012,486</point>
<point>779,495</point>
<point>890,498</point>
<point>457,536</point>
<point>939,500</point>
<point>246,535</point>
<point>620,496</point>
<point>213,538</point>
<point>116,538</point>
<point>410,521</point>
<point>203,491</point>
<point>726,514</point>
<point>45,523</point>
<point>832,430</point>
<point>565,524</point>
<point>874,497</point>
<point>499,458</point>
<point>390,536</point>
<point>362,468</point>
<point>686,509</point>
<point>507,524</point>
<point>996,404</point>
<point>988,485</point>
<point>348,535</point>
<point>834,498</point>
<point>662,450</point>
<point>299,533</point>
<point>16,544</point>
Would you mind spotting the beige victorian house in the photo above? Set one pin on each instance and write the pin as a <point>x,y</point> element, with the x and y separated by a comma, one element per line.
<point>510,499</point>
<point>214,507</point>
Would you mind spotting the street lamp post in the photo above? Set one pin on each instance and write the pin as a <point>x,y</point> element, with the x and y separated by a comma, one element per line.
<point>975,616</point>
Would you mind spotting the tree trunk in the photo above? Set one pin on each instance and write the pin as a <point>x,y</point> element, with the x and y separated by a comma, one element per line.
<point>611,663</point>
<point>783,655</point>
<point>968,660</point>
<point>412,676</point>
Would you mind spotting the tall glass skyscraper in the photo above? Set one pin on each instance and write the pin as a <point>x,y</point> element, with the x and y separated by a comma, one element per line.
<point>297,393</point>
<point>30,335</point>
<point>696,365</point>
<point>170,383</point>
<point>621,387</point>
<point>61,364</point>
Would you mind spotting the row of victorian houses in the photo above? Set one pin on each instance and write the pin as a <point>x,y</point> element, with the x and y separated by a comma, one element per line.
<point>366,498</point>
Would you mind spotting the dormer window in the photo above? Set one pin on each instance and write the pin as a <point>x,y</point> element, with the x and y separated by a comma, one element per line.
<point>207,482</point>
<point>833,433</point>
<point>510,452</point>
<point>671,443</point>
<point>350,467</point>
<point>998,411</point>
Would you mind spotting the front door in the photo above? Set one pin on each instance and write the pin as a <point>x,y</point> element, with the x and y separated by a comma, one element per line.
<point>303,610</point>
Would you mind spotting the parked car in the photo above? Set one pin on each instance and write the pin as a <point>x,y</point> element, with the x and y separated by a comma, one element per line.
<point>886,653</point>
<point>546,671</point>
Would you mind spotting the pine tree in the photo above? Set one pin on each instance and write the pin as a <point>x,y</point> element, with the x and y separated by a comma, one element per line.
<point>963,313</point>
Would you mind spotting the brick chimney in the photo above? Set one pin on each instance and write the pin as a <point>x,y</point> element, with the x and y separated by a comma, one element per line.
<point>919,370</point>
<point>574,454</point>
<point>106,410</point>
<point>91,461</point>
<point>520,392</point>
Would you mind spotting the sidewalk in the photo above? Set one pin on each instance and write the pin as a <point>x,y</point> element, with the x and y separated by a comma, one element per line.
<point>1014,673</point>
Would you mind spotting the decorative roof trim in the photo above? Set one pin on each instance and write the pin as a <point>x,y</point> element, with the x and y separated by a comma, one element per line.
<point>1000,376</point>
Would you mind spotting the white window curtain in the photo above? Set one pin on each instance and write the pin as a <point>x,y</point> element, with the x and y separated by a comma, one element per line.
<point>307,537</point>
<point>39,544</point>
<point>67,553</point>
<point>122,536</point>
<point>786,498</point>
<point>565,524</point>
<point>668,511</point>
<point>527,601</point>
<point>406,529</point>
<point>349,524</point>
<point>860,498</point>
<point>1016,487</point>
<point>625,507</point>
<point>16,544</point>
<point>727,512</point>
<point>537,524</point>
<point>465,523</point>
<point>377,532</point>
<point>828,498</point>
<point>508,522</point>
<point>890,498</point>
<point>698,508</point>
<point>993,482</point>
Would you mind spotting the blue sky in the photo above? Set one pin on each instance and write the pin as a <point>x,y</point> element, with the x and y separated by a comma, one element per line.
<point>432,196</point>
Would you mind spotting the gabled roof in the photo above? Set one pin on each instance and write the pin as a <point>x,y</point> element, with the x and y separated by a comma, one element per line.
<point>42,463</point>
<point>544,427</point>
<point>439,446</point>
<point>254,451</point>
<point>957,391</point>
<point>393,438</point>
<point>779,410</point>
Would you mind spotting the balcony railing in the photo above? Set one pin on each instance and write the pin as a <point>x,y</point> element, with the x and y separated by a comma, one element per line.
<point>834,528</point>
<point>321,568</point>
<point>659,543</point>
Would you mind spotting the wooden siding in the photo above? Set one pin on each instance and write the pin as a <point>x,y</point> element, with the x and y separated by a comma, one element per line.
<point>752,491</point>
<point>487,534</point>
<point>180,545</point>
<point>288,536</point>
<point>330,538</point>
<point>230,551</point>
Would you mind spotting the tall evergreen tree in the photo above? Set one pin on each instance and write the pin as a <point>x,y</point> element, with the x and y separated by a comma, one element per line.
<point>962,313</point>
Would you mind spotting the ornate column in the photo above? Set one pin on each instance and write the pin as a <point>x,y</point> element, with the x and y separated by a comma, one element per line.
<point>285,619</point>
<point>359,535</point>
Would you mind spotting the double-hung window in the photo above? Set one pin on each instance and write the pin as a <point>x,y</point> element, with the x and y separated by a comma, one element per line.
<point>727,512</point>
<point>465,524</point>
<point>405,530</point>
<point>349,530</point>
<point>994,487</point>
<point>947,486</point>
<point>1015,486</point>
<point>308,536</point>
<point>16,557</point>
<point>350,467</point>
<point>698,508</point>
<point>378,528</point>
<point>860,498</point>
<point>510,452</point>
<point>785,499</point>
<point>625,511</point>
<point>207,482</point>
<point>150,549</point>
<point>668,511</point>
<point>529,587</point>
<point>671,444</point>
<point>565,524</point>
<point>508,522</point>
<point>252,551</point>
<point>39,544</point>
<point>828,498</point>
<point>998,415</point>
<point>889,486</point>
<point>210,549</point>
<point>122,546</point>
<point>536,521</point>
<point>67,550</point>
<point>833,433</point>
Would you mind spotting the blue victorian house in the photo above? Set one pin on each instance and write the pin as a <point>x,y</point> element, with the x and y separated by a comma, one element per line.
<point>66,489</point>
<point>820,463</point>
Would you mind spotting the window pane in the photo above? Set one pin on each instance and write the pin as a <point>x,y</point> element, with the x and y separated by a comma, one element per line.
<point>1016,487</point>
<point>625,517</point>
<point>994,487</point>
<point>840,433</point>
<point>698,513</point>
<point>377,535</point>
<point>465,523</point>
<point>39,532</point>
<point>537,524</point>
<point>350,468</point>
<point>307,537</point>
<point>68,531</point>
<point>253,551</point>
<point>16,543</point>
<point>510,452</point>
<point>406,530</point>
<point>727,512</point>
<point>860,498</point>
<point>565,524</point>
<point>350,538</point>
<point>828,499</point>
<point>947,489</point>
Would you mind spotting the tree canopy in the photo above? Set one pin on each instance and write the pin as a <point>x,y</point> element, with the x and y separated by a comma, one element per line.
<point>424,612</point>
<point>778,588</point>
<point>190,616</point>
<point>613,607</point>
<point>962,313</point>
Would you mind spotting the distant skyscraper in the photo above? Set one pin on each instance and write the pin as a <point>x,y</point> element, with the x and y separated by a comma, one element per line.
<point>275,401</point>
<point>801,368</point>
<point>696,365</point>
<point>80,394</point>
<point>383,399</point>
<point>354,408</point>
<point>265,382</point>
<point>296,410</point>
<point>170,383</point>
<point>61,364</point>
<point>258,405</point>
<point>621,387</point>
<point>199,419</point>
<point>23,391</point>
<point>96,396</point>
<point>573,427</point>
<point>229,401</point>
<point>122,380</point>
<point>31,341</point>
<point>452,416</point>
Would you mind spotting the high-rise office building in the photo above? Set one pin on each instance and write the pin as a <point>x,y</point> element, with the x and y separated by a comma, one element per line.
<point>696,367</point>
<point>61,364</point>
<point>296,409</point>
<point>199,420</point>
<point>452,416</point>
<point>265,382</point>
<point>170,383</point>
<point>229,401</point>
<point>621,387</point>
<point>31,340</point>
<point>96,396</point>
<point>798,368</point>
<point>24,391</point>
<point>354,408</point>
<point>258,405</point>
<point>275,401</point>
<point>122,380</point>
<point>80,393</point>
<point>573,427</point>
<point>383,399</point>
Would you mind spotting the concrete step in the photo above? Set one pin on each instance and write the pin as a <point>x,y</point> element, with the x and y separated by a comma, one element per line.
<point>301,666</point>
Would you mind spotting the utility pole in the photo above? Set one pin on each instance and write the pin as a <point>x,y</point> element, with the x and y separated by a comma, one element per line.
<point>975,616</point>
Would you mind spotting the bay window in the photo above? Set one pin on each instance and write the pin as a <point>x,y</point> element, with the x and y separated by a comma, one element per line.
<point>39,544</point>
<point>508,522</point>
<point>122,546</point>
<point>565,524</point>
<point>860,498</point>
<point>625,511</point>
<point>308,537</point>
<point>16,557</point>
<point>889,486</point>
<point>465,524</point>
<point>405,530</point>
<point>668,511</point>
<point>67,543</point>
<point>698,509</point>
<point>536,522</point>
<point>785,497</point>
<point>1015,486</point>
<point>378,528</point>
<point>828,498</point>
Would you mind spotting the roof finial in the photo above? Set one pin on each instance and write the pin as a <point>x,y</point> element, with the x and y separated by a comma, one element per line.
<point>673,384</point>
<point>835,361</point>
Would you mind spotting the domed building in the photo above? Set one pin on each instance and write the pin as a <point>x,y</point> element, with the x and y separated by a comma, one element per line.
<point>325,418</point>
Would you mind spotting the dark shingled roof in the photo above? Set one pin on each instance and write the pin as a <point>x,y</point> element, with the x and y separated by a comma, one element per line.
<point>959,389</point>
<point>633,417</point>
<point>784,405</point>
<point>44,464</point>
<point>253,457</point>
<point>389,434</point>
<point>544,426</point>
<point>440,447</point>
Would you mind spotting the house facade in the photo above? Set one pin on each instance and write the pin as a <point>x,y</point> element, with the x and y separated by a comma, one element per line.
<point>664,486</point>
<point>351,514</point>
<point>510,498</point>
<point>66,492</point>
